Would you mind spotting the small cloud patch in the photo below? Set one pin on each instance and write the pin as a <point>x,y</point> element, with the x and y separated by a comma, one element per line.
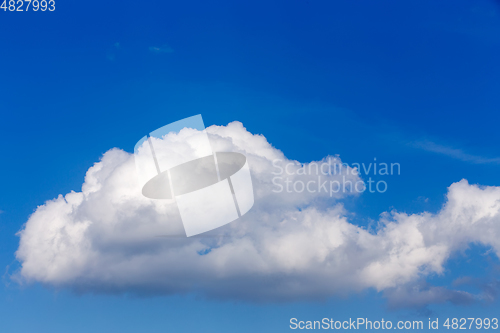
<point>161,49</point>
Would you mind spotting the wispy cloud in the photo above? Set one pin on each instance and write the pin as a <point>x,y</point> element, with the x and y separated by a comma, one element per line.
<point>161,49</point>
<point>455,153</point>
<point>112,51</point>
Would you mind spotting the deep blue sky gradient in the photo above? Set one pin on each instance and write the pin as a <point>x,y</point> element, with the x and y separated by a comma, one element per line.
<point>362,79</point>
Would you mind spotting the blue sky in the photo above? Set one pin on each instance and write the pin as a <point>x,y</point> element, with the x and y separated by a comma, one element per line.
<point>412,82</point>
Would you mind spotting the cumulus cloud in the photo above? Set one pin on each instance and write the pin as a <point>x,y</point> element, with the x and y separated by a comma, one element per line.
<point>290,246</point>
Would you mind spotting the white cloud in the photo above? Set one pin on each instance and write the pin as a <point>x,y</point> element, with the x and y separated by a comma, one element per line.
<point>290,246</point>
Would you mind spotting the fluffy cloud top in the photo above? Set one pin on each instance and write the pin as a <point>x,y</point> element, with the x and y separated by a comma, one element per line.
<point>290,246</point>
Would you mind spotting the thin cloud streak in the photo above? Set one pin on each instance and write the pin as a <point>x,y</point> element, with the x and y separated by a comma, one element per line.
<point>455,153</point>
<point>161,49</point>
